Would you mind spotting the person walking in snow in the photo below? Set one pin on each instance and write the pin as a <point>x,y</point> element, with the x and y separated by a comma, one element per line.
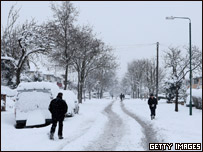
<point>58,109</point>
<point>152,102</point>
<point>121,97</point>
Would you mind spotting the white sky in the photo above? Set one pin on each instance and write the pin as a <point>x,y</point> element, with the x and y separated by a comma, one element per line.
<point>126,25</point>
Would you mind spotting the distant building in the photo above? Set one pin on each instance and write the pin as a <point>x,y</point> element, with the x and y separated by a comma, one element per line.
<point>196,83</point>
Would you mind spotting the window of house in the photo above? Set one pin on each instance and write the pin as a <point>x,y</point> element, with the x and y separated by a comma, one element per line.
<point>195,81</point>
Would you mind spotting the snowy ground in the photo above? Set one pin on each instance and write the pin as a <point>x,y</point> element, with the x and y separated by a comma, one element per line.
<point>173,127</point>
<point>108,125</point>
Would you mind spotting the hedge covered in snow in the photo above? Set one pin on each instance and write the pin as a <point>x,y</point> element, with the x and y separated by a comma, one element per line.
<point>196,98</point>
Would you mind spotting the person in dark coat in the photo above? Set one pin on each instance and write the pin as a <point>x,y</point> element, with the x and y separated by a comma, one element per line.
<point>121,97</point>
<point>58,109</point>
<point>152,102</point>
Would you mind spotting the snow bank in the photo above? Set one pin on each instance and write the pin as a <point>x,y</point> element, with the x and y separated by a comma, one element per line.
<point>10,104</point>
<point>78,131</point>
<point>9,92</point>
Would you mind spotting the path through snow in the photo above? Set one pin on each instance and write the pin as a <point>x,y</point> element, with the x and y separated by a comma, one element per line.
<point>112,133</point>
<point>149,132</point>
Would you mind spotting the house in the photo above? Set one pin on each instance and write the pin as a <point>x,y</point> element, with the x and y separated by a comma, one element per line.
<point>196,83</point>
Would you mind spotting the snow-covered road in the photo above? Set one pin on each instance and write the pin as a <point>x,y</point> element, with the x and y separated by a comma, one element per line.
<point>106,125</point>
<point>148,130</point>
<point>112,132</point>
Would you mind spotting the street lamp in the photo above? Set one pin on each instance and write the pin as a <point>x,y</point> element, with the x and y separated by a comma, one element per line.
<point>190,47</point>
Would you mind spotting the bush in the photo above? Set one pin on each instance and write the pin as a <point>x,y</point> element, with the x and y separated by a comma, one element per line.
<point>197,102</point>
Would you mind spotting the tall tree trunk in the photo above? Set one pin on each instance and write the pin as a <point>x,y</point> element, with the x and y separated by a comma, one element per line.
<point>138,92</point>
<point>18,71</point>
<point>80,92</point>
<point>101,93</point>
<point>18,76</point>
<point>66,78</point>
<point>90,95</point>
<point>78,88</point>
<point>176,102</point>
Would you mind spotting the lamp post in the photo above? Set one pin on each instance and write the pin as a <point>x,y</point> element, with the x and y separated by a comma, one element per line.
<point>190,50</point>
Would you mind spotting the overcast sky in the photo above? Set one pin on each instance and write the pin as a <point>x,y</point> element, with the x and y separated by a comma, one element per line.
<point>132,28</point>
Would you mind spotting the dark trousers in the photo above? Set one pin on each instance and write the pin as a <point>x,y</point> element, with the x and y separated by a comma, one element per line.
<point>53,127</point>
<point>153,111</point>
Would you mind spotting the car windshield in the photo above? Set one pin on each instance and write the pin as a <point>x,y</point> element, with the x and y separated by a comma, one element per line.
<point>33,99</point>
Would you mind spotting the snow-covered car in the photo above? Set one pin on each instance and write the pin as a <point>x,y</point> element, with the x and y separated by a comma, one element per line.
<point>72,102</point>
<point>32,103</point>
<point>106,95</point>
<point>127,96</point>
<point>161,96</point>
<point>94,95</point>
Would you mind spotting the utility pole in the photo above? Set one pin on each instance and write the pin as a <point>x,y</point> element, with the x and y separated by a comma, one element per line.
<point>190,45</point>
<point>157,71</point>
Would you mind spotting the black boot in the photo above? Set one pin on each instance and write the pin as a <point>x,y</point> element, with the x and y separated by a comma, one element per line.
<point>60,137</point>
<point>51,136</point>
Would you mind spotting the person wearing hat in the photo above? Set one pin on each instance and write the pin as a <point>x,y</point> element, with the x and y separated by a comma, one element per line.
<point>58,109</point>
<point>152,102</point>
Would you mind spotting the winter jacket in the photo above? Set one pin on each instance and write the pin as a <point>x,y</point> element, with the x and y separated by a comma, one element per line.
<point>152,103</point>
<point>58,109</point>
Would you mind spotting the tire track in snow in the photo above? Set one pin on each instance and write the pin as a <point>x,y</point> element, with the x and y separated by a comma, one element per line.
<point>112,134</point>
<point>69,140</point>
<point>149,132</point>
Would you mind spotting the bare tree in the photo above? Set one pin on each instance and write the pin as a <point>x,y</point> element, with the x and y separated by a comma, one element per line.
<point>91,54</point>
<point>9,47</point>
<point>179,66</point>
<point>60,32</point>
<point>141,74</point>
<point>31,41</point>
<point>20,42</point>
<point>135,76</point>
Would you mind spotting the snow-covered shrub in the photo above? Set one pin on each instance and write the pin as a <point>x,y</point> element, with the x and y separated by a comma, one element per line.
<point>196,98</point>
<point>197,102</point>
<point>9,92</point>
